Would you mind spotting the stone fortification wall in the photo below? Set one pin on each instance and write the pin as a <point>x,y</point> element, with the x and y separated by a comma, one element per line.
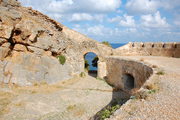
<point>126,74</point>
<point>149,49</point>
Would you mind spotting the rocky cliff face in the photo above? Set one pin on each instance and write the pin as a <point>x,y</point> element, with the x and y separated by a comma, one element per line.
<point>30,43</point>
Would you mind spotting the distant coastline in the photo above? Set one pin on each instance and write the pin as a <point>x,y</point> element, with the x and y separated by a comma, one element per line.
<point>116,45</point>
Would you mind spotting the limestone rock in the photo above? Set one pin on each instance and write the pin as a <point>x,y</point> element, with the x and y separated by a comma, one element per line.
<point>27,69</point>
<point>36,50</point>
<point>5,31</point>
<point>2,41</point>
<point>4,50</point>
<point>9,2</point>
<point>20,48</point>
<point>33,42</point>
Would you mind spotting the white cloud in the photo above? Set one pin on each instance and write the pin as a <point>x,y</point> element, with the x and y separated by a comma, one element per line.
<point>169,4</point>
<point>177,20</point>
<point>115,19</point>
<point>78,17</point>
<point>77,10</point>
<point>141,6</point>
<point>125,21</point>
<point>72,6</point>
<point>150,6</point>
<point>98,5</point>
<point>96,30</point>
<point>81,17</point>
<point>154,21</point>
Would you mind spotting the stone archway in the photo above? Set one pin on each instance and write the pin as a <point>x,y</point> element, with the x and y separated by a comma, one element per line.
<point>91,63</point>
<point>128,81</point>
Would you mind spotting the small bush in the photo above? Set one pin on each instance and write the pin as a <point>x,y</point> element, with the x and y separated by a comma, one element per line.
<point>154,66</point>
<point>98,78</point>
<point>82,74</point>
<point>133,97</point>
<point>106,43</point>
<point>107,112</point>
<point>153,86</point>
<point>71,107</point>
<point>86,64</point>
<point>151,91</point>
<point>160,73</point>
<point>95,61</point>
<point>62,59</point>
<point>143,94</point>
<point>142,59</point>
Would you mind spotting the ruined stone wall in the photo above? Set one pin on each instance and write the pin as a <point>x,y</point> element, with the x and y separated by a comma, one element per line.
<point>149,49</point>
<point>117,67</point>
<point>30,43</point>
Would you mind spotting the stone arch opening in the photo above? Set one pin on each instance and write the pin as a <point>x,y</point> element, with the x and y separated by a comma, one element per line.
<point>91,63</point>
<point>128,81</point>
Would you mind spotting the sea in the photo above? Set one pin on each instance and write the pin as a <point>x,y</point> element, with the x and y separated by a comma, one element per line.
<point>90,56</point>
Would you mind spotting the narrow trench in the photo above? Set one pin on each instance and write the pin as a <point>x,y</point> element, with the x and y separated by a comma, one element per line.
<point>12,43</point>
<point>119,97</point>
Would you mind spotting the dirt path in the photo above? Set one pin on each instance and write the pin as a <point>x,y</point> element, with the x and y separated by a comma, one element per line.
<point>75,99</point>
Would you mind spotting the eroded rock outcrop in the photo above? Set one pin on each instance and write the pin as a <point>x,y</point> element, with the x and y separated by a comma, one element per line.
<point>30,43</point>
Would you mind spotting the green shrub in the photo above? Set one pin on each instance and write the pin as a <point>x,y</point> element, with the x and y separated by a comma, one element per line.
<point>82,74</point>
<point>107,112</point>
<point>106,43</point>
<point>95,61</point>
<point>62,59</point>
<point>98,78</point>
<point>160,73</point>
<point>86,64</point>
<point>151,91</point>
<point>133,97</point>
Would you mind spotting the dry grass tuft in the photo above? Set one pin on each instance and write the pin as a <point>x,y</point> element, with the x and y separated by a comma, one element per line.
<point>77,110</point>
<point>5,100</point>
<point>160,72</point>
<point>153,86</point>
<point>142,59</point>
<point>154,66</point>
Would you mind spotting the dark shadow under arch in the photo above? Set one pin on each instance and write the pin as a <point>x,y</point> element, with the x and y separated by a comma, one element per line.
<point>128,81</point>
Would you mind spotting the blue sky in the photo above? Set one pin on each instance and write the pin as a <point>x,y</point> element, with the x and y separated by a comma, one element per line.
<point>116,21</point>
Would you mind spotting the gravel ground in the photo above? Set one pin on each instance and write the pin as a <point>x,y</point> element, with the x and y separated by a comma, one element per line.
<point>164,104</point>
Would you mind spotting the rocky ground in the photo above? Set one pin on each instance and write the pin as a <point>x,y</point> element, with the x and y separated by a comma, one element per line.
<point>82,97</point>
<point>75,99</point>
<point>161,102</point>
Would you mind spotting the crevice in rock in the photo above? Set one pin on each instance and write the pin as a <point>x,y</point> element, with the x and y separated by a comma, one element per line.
<point>17,32</point>
<point>54,54</point>
<point>10,40</point>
